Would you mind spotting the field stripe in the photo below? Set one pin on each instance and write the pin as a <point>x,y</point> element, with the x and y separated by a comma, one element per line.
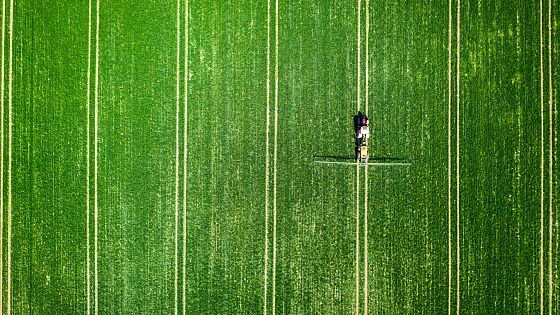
<point>88,142</point>
<point>357,239</point>
<point>177,100</point>
<point>541,254</point>
<point>367,59</point>
<point>275,163</point>
<point>186,82</point>
<point>365,240</point>
<point>10,114</point>
<point>550,155</point>
<point>449,161</point>
<point>358,103</point>
<point>366,171</point>
<point>2,161</point>
<point>267,162</point>
<point>458,174</point>
<point>96,162</point>
<point>359,43</point>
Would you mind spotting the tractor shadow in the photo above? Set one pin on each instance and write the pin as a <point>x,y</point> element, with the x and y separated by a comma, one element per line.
<point>357,119</point>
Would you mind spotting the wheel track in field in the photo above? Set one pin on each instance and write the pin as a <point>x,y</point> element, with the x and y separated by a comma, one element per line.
<point>10,124</point>
<point>541,253</point>
<point>274,166</point>
<point>88,165</point>
<point>449,162</point>
<point>96,162</point>
<point>458,161</point>
<point>550,164</point>
<point>177,109</point>
<point>275,161</point>
<point>2,158</point>
<point>184,161</point>
<point>358,100</point>
<point>185,117</point>
<point>357,239</point>
<point>365,207</point>
<point>366,263</point>
<point>267,164</point>
<point>551,160</point>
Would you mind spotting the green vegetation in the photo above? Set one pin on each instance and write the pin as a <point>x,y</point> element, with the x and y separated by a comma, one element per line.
<point>181,215</point>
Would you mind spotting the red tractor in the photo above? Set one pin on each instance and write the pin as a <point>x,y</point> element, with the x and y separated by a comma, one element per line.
<point>362,135</point>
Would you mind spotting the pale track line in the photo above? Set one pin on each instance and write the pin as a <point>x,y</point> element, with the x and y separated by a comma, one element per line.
<point>550,152</point>
<point>2,160</point>
<point>275,164</point>
<point>367,59</point>
<point>10,121</point>
<point>359,43</point>
<point>177,101</point>
<point>366,264</point>
<point>541,255</point>
<point>449,161</point>
<point>267,163</point>
<point>357,239</point>
<point>358,99</point>
<point>88,143</point>
<point>365,240</point>
<point>185,157</point>
<point>96,162</point>
<point>458,174</point>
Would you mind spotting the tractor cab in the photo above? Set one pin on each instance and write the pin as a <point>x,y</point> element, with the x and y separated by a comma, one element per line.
<point>362,136</point>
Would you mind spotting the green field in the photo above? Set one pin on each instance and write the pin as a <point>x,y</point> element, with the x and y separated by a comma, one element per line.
<point>158,157</point>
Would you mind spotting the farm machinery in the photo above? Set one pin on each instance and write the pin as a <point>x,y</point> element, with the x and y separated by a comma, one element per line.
<point>362,135</point>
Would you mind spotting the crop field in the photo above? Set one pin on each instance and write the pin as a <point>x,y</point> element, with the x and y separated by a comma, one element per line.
<point>159,157</point>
